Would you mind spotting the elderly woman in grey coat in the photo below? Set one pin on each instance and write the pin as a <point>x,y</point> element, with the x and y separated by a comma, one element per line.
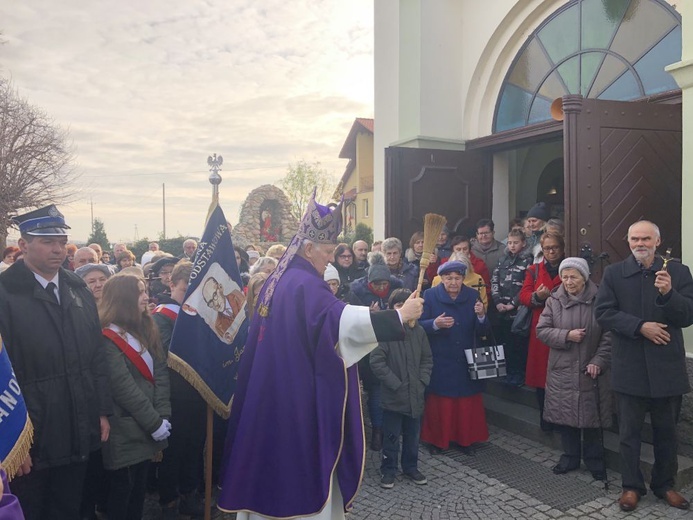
<point>578,396</point>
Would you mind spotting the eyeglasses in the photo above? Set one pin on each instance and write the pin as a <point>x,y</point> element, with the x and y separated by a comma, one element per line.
<point>551,249</point>
<point>346,257</point>
<point>484,233</point>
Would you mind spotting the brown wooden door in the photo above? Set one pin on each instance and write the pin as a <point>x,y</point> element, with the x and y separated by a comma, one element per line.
<point>456,184</point>
<point>622,164</point>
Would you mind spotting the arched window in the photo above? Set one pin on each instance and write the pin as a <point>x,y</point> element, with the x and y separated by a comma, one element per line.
<point>604,49</point>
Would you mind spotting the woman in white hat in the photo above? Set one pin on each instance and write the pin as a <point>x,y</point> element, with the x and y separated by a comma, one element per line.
<point>578,397</point>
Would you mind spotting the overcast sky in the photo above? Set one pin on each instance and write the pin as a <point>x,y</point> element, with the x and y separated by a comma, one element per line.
<point>148,89</point>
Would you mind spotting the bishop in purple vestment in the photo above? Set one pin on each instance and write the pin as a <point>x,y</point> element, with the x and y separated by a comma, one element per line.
<point>295,443</point>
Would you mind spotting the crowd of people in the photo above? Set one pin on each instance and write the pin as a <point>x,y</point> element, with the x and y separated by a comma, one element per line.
<point>88,332</point>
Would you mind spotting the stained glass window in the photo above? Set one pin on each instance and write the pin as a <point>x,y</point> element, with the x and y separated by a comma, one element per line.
<point>604,49</point>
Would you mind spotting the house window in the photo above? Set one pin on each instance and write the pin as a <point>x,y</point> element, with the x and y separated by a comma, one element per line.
<point>365,208</point>
<point>603,49</point>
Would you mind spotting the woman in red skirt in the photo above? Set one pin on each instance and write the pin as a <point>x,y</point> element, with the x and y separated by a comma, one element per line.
<point>453,318</point>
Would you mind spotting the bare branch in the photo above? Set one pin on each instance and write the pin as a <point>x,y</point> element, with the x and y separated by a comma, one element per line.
<point>35,158</point>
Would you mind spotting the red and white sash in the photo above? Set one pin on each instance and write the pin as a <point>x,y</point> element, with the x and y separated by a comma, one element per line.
<point>133,355</point>
<point>169,310</point>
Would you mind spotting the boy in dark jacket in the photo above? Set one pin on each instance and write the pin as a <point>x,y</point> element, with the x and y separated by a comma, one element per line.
<point>506,282</point>
<point>404,369</point>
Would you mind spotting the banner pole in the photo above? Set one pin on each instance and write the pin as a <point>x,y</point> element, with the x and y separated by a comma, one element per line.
<point>214,162</point>
<point>208,463</point>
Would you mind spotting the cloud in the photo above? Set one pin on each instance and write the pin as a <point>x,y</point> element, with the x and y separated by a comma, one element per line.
<point>149,89</point>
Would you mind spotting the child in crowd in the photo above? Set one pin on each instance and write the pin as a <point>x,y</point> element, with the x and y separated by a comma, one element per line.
<point>506,283</point>
<point>404,369</point>
<point>140,390</point>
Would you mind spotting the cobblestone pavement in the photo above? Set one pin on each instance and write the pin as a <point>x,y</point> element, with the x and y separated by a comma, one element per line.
<point>509,477</point>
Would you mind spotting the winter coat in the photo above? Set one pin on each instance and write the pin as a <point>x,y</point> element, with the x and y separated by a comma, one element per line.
<point>450,376</point>
<point>139,408</point>
<point>571,394</point>
<point>181,390</point>
<point>360,294</point>
<point>538,353</point>
<point>346,276</point>
<point>56,354</point>
<point>473,281</point>
<point>507,280</point>
<point>404,370</point>
<point>408,274</point>
<point>477,264</point>
<point>491,255</point>
<point>627,297</point>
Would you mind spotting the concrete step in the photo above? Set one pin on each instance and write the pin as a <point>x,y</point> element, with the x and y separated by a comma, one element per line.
<point>524,420</point>
<point>526,396</point>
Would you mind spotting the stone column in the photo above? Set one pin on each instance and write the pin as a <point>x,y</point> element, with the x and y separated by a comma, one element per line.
<point>683,74</point>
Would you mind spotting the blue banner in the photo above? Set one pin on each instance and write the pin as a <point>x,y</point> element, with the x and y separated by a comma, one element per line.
<point>211,328</point>
<point>15,426</point>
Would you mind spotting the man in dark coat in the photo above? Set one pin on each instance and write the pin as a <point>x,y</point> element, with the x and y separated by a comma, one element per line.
<point>50,326</point>
<point>646,304</point>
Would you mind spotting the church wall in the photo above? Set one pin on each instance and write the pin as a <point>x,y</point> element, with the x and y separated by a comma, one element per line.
<point>386,97</point>
<point>439,67</point>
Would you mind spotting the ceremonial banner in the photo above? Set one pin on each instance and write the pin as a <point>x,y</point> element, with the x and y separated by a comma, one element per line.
<point>211,328</point>
<point>16,432</point>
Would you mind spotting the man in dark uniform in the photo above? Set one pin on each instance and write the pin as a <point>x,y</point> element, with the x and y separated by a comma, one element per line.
<point>646,303</point>
<point>50,326</point>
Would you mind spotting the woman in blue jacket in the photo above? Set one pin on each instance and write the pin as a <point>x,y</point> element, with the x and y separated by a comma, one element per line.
<point>453,318</point>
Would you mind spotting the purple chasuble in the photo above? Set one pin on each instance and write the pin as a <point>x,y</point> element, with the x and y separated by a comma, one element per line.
<point>296,414</point>
<point>9,505</point>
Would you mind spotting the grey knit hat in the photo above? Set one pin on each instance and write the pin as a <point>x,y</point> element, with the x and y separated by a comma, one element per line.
<point>378,271</point>
<point>574,262</point>
<point>540,211</point>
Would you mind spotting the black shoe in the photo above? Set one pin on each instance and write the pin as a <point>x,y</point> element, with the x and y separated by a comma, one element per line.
<point>559,469</point>
<point>546,427</point>
<point>469,451</point>
<point>387,481</point>
<point>599,475</point>
<point>417,477</point>
<point>192,504</point>
<point>434,450</point>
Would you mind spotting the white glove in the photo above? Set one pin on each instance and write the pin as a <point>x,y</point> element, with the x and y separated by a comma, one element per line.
<point>163,432</point>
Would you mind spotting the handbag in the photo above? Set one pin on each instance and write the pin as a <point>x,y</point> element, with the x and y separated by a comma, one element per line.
<point>522,323</point>
<point>486,362</point>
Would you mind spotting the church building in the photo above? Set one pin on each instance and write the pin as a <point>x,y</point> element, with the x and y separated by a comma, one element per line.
<point>483,109</point>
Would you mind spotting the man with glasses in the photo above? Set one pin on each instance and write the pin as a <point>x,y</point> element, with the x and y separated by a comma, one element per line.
<point>486,246</point>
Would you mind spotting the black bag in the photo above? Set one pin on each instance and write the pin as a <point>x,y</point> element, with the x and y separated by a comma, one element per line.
<point>522,323</point>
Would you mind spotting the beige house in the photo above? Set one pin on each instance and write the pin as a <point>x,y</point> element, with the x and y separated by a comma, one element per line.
<point>356,184</point>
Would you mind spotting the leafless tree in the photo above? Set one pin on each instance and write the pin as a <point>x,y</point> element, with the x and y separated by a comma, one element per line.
<point>35,158</point>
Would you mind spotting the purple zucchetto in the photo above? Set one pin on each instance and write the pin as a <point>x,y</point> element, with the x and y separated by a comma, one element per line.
<point>320,224</point>
<point>452,266</point>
